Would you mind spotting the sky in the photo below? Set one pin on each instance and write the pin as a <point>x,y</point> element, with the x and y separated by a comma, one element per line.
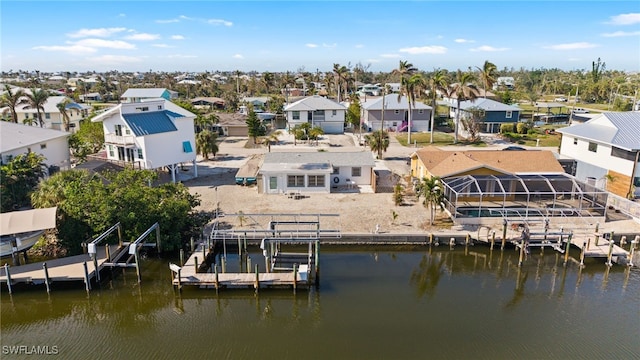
<point>195,36</point>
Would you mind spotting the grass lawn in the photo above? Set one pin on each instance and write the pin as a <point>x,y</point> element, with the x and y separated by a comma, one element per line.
<point>422,139</point>
<point>550,140</point>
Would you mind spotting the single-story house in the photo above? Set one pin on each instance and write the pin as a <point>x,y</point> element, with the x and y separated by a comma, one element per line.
<point>19,139</point>
<point>320,172</point>
<point>396,114</point>
<point>432,161</point>
<point>232,124</point>
<point>209,103</point>
<point>317,111</point>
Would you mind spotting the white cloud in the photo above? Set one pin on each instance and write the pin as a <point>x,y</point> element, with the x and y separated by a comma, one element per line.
<point>359,46</point>
<point>424,50</point>
<point>122,15</point>
<point>219,22</point>
<point>390,56</point>
<point>100,32</point>
<point>143,37</point>
<point>165,46</point>
<point>177,37</point>
<point>238,56</point>
<point>168,21</point>
<point>625,19</point>
<point>329,45</point>
<point>621,33</point>
<point>572,46</point>
<point>462,41</point>
<point>114,59</point>
<point>487,48</point>
<point>311,45</point>
<point>71,49</point>
<point>111,44</point>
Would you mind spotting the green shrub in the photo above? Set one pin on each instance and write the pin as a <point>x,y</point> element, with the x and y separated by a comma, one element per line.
<point>506,128</point>
<point>522,128</point>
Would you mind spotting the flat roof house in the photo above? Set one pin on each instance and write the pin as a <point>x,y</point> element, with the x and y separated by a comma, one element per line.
<point>16,139</point>
<point>321,172</point>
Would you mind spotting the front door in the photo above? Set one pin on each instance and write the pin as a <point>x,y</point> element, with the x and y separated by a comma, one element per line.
<point>273,184</point>
<point>130,156</point>
<point>121,153</point>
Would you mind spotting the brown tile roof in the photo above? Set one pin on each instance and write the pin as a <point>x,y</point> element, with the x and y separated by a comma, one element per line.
<point>444,163</point>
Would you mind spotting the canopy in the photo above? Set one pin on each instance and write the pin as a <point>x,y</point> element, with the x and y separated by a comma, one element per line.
<point>17,222</point>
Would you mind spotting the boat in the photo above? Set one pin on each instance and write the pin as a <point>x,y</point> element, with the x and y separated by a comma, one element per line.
<point>10,244</point>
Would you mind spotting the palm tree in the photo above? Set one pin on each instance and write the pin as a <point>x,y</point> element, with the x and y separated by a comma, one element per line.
<point>267,80</point>
<point>340,73</point>
<point>271,139</point>
<point>206,143</point>
<point>405,70</point>
<point>437,82</point>
<point>37,98</point>
<point>488,74</point>
<point>413,85</point>
<point>62,107</point>
<point>378,142</point>
<point>287,80</point>
<point>463,89</point>
<point>12,100</point>
<point>433,192</point>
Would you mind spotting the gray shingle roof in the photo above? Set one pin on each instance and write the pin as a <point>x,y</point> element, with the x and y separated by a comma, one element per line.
<point>152,122</point>
<point>619,129</point>
<point>360,158</point>
<point>312,103</point>
<point>391,103</point>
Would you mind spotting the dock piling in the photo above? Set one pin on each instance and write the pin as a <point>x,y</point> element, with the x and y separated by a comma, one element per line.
<point>217,280</point>
<point>609,255</point>
<point>181,257</point>
<point>196,264</point>
<point>566,249</point>
<point>295,276</point>
<point>46,276</point>
<point>631,253</point>
<point>521,259</point>
<point>584,245</point>
<point>430,239</point>
<point>493,239</point>
<point>248,264</point>
<point>87,281</point>
<point>504,234</point>
<point>6,271</point>
<point>95,266</point>
<point>107,251</point>
<point>137,258</point>
<point>257,285</point>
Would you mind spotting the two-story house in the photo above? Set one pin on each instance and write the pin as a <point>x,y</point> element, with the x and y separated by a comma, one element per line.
<point>317,111</point>
<point>607,151</point>
<point>51,115</point>
<point>151,134</point>
<point>396,114</point>
<point>139,94</point>
<point>495,113</point>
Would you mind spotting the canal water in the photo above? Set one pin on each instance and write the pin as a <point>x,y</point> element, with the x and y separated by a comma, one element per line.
<point>371,304</point>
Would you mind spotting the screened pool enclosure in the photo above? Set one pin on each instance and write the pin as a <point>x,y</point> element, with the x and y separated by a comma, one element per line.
<point>472,197</point>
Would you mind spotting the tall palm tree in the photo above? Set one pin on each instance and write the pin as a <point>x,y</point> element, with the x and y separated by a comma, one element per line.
<point>433,192</point>
<point>413,85</point>
<point>267,80</point>
<point>37,98</point>
<point>340,74</point>
<point>405,70</point>
<point>62,107</point>
<point>206,143</point>
<point>272,138</point>
<point>437,82</point>
<point>287,80</point>
<point>12,99</point>
<point>488,75</point>
<point>463,89</point>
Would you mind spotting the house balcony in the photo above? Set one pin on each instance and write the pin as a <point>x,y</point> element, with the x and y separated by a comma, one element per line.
<point>119,140</point>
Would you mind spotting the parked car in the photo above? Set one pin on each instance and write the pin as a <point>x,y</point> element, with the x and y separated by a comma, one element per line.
<point>561,99</point>
<point>580,111</point>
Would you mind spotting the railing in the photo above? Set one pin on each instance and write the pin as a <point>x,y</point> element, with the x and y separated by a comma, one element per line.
<point>625,206</point>
<point>121,140</point>
<point>125,164</point>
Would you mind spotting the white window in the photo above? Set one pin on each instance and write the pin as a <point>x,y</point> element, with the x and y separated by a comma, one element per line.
<point>420,111</point>
<point>159,107</point>
<point>295,181</point>
<point>111,153</point>
<point>43,146</point>
<point>334,112</point>
<point>140,154</point>
<point>593,147</point>
<point>356,171</point>
<point>508,114</point>
<point>47,116</point>
<point>575,141</point>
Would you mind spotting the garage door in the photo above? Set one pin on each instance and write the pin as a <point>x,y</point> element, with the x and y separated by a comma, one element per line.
<point>333,127</point>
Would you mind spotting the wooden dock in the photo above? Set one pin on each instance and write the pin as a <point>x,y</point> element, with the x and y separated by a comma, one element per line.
<point>599,250</point>
<point>69,268</point>
<point>189,274</point>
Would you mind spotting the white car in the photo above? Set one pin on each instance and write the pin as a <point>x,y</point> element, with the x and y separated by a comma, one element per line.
<point>580,111</point>
<point>561,99</point>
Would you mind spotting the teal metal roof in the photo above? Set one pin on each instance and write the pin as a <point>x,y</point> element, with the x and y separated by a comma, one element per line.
<point>152,122</point>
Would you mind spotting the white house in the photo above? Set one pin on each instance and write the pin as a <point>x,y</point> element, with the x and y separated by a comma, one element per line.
<point>607,150</point>
<point>151,134</point>
<point>19,139</point>
<point>319,172</point>
<point>318,111</point>
<point>140,94</point>
<point>396,114</point>
<point>51,115</point>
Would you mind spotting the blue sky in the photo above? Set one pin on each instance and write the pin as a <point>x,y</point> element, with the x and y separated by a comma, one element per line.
<point>291,35</point>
